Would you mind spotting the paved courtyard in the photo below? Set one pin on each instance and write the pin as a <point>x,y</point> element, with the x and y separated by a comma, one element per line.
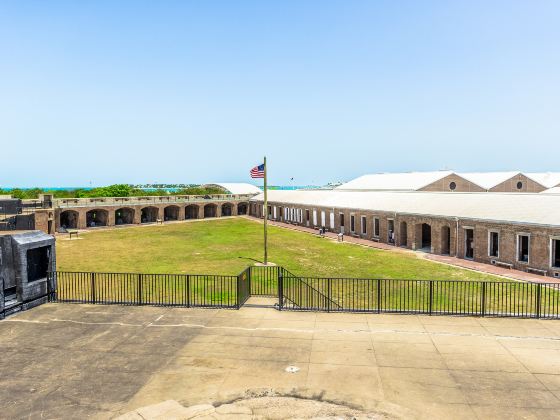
<point>77,361</point>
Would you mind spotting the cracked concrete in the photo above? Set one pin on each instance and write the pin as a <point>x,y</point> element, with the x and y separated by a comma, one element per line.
<point>70,361</point>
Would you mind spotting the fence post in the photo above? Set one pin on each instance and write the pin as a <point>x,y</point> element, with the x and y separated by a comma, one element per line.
<point>329,285</point>
<point>538,305</point>
<point>55,286</point>
<point>50,292</point>
<point>378,296</point>
<point>93,297</point>
<point>188,286</point>
<point>280,290</point>
<point>239,291</point>
<point>431,295</point>
<point>483,298</point>
<point>249,275</point>
<point>139,279</point>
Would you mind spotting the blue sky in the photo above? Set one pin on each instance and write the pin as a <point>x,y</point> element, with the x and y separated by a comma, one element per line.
<point>199,91</point>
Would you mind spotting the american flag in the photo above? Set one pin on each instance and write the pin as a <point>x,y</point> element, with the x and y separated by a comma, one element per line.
<point>257,171</point>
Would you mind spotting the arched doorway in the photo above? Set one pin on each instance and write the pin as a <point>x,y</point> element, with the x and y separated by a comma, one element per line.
<point>149,215</point>
<point>426,237</point>
<point>227,209</point>
<point>69,219</point>
<point>95,218</point>
<point>210,210</point>
<point>445,240</point>
<point>191,211</point>
<point>242,208</point>
<point>403,235</point>
<point>171,213</point>
<point>124,216</point>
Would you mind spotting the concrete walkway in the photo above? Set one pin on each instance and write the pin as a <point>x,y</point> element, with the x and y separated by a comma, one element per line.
<point>443,259</point>
<point>94,361</point>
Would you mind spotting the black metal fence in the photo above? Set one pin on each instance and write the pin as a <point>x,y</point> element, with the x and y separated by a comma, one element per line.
<point>453,297</point>
<point>243,286</point>
<point>187,290</point>
<point>478,298</point>
<point>264,280</point>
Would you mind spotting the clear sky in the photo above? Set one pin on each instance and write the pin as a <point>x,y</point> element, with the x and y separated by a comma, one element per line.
<point>199,91</point>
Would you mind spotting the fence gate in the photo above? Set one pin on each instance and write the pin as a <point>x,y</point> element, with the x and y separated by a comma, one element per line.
<point>264,280</point>
<point>243,287</point>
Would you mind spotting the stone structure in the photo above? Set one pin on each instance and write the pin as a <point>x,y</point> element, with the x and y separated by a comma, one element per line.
<point>25,260</point>
<point>82,213</point>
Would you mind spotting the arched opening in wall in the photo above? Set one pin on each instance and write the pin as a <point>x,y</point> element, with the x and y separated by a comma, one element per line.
<point>426,237</point>
<point>149,215</point>
<point>210,210</point>
<point>96,218</point>
<point>69,219</point>
<point>191,212</point>
<point>445,240</point>
<point>227,209</point>
<point>124,216</point>
<point>404,235</point>
<point>242,208</point>
<point>171,213</point>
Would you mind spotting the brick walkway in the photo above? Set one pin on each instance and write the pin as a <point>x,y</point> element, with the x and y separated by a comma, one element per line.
<point>443,259</point>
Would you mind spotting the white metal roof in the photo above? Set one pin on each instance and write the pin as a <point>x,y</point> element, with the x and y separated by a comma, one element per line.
<point>237,187</point>
<point>405,181</point>
<point>487,180</point>
<point>546,179</point>
<point>541,209</point>
<point>553,190</point>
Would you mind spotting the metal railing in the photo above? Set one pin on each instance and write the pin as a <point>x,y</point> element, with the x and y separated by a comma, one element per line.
<point>451,297</point>
<point>431,297</point>
<point>264,280</point>
<point>165,199</point>
<point>186,290</point>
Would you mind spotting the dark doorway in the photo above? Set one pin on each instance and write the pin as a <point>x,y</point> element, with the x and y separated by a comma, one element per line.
<point>149,215</point>
<point>96,218</point>
<point>445,240</point>
<point>523,248</point>
<point>191,212</point>
<point>69,219</point>
<point>242,208</point>
<point>210,210</point>
<point>227,209</point>
<point>494,244</point>
<point>426,236</point>
<point>556,253</point>
<point>124,216</point>
<point>390,231</point>
<point>38,263</point>
<point>404,234</point>
<point>469,242</point>
<point>171,213</point>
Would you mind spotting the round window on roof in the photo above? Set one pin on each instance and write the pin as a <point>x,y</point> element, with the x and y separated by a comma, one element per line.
<point>452,186</point>
<point>519,185</point>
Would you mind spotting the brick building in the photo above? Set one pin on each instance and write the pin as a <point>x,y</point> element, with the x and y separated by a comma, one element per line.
<point>52,215</point>
<point>514,230</point>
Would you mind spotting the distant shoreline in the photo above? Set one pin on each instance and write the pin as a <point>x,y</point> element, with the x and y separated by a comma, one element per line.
<point>270,187</point>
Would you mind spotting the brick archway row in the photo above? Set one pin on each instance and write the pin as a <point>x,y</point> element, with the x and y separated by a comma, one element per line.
<point>86,217</point>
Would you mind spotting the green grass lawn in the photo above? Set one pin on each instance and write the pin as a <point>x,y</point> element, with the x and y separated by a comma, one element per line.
<point>215,247</point>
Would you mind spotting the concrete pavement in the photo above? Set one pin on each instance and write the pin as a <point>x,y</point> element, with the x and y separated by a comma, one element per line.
<point>68,361</point>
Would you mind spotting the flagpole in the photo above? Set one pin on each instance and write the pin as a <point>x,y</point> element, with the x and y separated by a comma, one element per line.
<point>265,217</point>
